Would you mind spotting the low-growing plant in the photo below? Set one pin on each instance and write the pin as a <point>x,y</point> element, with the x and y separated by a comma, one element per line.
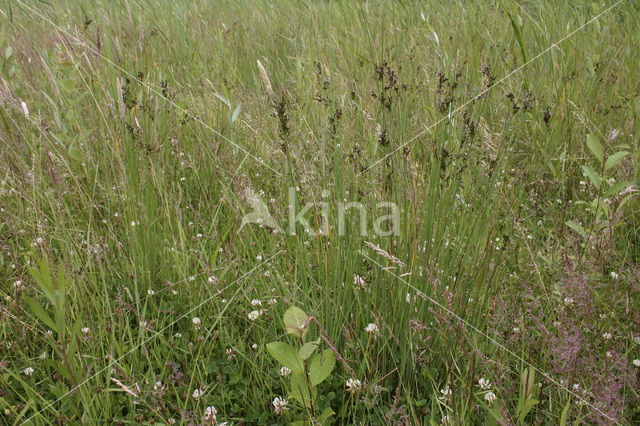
<point>610,196</point>
<point>308,367</point>
<point>527,400</point>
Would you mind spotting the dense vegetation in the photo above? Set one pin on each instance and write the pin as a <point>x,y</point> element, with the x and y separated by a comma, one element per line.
<point>136,135</point>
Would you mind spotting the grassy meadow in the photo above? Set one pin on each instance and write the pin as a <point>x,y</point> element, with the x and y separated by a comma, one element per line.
<point>453,227</point>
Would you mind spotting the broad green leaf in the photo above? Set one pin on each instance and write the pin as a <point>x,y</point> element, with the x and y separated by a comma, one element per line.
<point>593,176</point>
<point>565,414</point>
<point>75,332</point>
<point>300,390</point>
<point>223,100</point>
<point>42,275</point>
<point>615,159</point>
<point>527,381</point>
<point>496,413</point>
<point>236,113</point>
<point>41,314</point>
<point>326,413</point>
<point>307,349</point>
<point>528,405</point>
<point>294,319</point>
<point>596,147</point>
<point>617,188</point>
<point>321,366</point>
<point>576,227</point>
<point>285,355</point>
<point>516,25</point>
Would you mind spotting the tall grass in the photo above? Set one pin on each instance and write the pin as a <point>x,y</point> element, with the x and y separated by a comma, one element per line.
<point>134,134</point>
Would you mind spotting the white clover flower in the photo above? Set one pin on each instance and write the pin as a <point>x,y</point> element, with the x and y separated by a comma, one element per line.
<point>636,362</point>
<point>133,223</point>
<point>256,302</point>
<point>359,281</point>
<point>28,371</point>
<point>284,371</point>
<point>43,355</point>
<point>85,330</point>
<point>158,385</point>
<point>568,301</point>
<point>197,393</point>
<point>446,390</point>
<point>18,285</point>
<point>484,383</point>
<point>273,301</point>
<point>254,346</point>
<point>212,280</point>
<point>259,257</point>
<point>607,336</point>
<point>637,339</point>
<point>408,298</point>
<point>151,292</point>
<point>516,329</point>
<point>171,421</point>
<point>253,315</point>
<point>210,414</point>
<point>177,335</point>
<point>279,405</point>
<point>490,397</point>
<point>372,328</point>
<point>354,385</point>
<point>196,321</point>
<point>614,275</point>
<point>174,292</point>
